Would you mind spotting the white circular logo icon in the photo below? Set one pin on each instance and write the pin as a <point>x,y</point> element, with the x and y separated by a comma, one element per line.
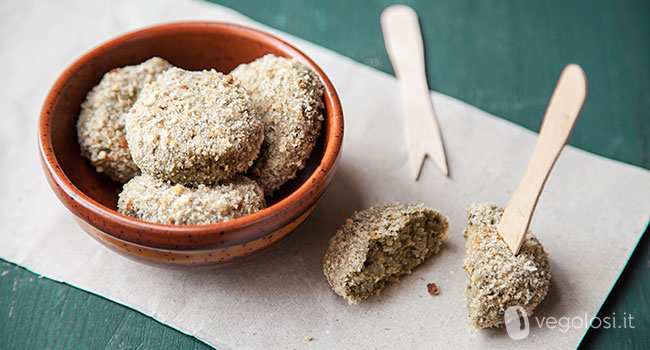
<point>514,326</point>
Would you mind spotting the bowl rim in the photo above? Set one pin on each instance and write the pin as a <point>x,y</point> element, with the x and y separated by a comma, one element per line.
<point>161,233</point>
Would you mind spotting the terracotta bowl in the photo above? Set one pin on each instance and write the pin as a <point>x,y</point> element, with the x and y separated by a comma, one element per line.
<point>92,197</point>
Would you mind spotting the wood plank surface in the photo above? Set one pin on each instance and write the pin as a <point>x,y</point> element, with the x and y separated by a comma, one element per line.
<point>503,56</point>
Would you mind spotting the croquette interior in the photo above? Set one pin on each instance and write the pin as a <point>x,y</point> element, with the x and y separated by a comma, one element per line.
<point>392,256</point>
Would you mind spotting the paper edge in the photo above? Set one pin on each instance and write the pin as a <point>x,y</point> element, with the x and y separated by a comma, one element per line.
<point>66,284</point>
<point>584,335</point>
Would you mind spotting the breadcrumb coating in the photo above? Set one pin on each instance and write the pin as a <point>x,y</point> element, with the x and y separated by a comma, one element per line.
<point>149,199</point>
<point>378,245</point>
<point>193,128</point>
<point>100,127</point>
<point>288,97</point>
<point>497,279</point>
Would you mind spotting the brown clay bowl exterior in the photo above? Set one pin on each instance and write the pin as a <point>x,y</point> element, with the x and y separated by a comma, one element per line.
<point>92,197</point>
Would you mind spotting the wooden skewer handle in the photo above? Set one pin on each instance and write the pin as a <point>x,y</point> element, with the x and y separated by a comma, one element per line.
<point>560,118</point>
<point>403,40</point>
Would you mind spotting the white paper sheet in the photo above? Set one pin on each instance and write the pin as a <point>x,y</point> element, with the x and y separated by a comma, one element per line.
<point>590,217</point>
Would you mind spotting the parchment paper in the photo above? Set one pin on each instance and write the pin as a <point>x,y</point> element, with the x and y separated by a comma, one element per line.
<point>589,218</point>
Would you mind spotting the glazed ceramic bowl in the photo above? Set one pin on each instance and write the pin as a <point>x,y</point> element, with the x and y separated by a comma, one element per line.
<point>92,197</point>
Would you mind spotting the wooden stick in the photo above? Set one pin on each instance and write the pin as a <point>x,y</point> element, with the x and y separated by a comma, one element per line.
<point>404,45</point>
<point>561,115</point>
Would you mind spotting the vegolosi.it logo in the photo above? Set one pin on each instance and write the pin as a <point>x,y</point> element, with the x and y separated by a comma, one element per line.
<point>518,324</point>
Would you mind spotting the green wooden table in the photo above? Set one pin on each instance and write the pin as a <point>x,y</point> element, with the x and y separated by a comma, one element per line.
<point>503,56</point>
